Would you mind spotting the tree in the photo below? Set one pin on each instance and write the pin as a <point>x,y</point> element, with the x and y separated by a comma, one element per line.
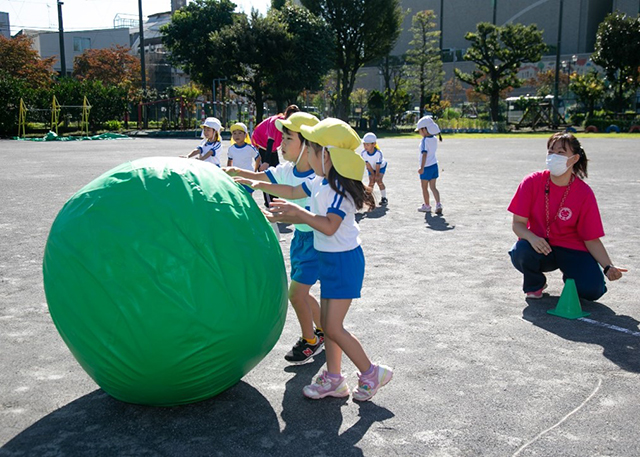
<point>112,66</point>
<point>589,89</point>
<point>498,53</point>
<point>304,56</point>
<point>544,82</point>
<point>425,56</point>
<point>19,60</point>
<point>359,98</point>
<point>187,38</point>
<point>253,46</point>
<point>617,50</point>
<point>364,30</point>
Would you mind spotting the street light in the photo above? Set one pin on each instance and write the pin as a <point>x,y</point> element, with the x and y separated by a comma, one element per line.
<point>557,75</point>
<point>63,61</point>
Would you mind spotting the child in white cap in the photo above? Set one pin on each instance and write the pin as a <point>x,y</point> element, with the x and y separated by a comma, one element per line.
<point>304,258</point>
<point>209,148</point>
<point>375,163</point>
<point>335,195</point>
<point>428,170</point>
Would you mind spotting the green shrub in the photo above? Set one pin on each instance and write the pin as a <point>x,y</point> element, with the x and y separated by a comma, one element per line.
<point>113,125</point>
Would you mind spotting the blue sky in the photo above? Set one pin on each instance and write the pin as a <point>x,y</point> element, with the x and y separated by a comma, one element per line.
<point>90,14</point>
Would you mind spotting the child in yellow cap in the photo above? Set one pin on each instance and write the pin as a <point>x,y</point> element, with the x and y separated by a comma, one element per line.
<point>209,149</point>
<point>241,153</point>
<point>335,195</point>
<point>304,258</point>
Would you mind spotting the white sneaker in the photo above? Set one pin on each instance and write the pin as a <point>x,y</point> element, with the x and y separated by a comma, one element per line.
<point>425,208</point>
<point>439,208</point>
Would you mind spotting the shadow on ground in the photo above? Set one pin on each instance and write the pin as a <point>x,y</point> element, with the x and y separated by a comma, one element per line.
<point>621,348</point>
<point>238,422</point>
<point>437,222</point>
<point>375,213</point>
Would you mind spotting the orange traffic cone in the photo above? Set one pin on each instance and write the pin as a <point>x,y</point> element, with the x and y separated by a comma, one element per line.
<point>569,303</point>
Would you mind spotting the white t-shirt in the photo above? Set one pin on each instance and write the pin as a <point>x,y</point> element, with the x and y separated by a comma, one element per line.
<point>325,200</point>
<point>242,156</point>
<point>287,173</point>
<point>205,147</point>
<point>374,159</point>
<point>428,144</point>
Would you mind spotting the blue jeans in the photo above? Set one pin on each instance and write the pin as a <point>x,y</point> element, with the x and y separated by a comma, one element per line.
<point>577,265</point>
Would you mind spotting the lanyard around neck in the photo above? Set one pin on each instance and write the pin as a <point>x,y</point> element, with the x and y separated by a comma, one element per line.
<point>546,202</point>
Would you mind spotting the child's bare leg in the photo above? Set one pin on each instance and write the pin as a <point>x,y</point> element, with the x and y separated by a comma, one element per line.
<point>381,185</point>
<point>306,307</point>
<point>372,182</point>
<point>436,194</point>
<point>425,191</point>
<point>338,339</point>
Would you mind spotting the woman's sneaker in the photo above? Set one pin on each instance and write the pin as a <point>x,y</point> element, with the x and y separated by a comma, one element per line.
<point>302,352</point>
<point>326,386</point>
<point>424,208</point>
<point>369,385</point>
<point>536,293</point>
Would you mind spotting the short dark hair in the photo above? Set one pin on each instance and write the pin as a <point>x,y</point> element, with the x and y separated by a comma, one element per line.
<point>286,130</point>
<point>567,139</point>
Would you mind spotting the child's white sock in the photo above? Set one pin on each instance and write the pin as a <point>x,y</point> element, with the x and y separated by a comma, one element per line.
<point>383,193</point>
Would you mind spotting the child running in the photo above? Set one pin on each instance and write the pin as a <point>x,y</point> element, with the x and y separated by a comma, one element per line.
<point>428,162</point>
<point>241,153</point>
<point>209,148</point>
<point>304,258</point>
<point>335,195</point>
<point>376,165</point>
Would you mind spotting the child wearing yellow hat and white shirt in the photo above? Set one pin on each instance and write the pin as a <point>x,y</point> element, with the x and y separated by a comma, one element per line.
<point>241,153</point>
<point>209,149</point>
<point>304,258</point>
<point>428,170</point>
<point>335,195</point>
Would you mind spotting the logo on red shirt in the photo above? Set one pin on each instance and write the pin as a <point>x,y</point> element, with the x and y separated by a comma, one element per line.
<point>565,214</point>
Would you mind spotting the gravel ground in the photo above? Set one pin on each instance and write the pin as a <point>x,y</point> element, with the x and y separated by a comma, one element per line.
<point>478,370</point>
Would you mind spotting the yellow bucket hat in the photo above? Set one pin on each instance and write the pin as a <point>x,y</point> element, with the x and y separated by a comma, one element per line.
<point>341,141</point>
<point>296,120</point>
<point>241,126</point>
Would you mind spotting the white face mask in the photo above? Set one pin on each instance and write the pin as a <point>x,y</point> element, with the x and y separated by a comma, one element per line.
<point>557,164</point>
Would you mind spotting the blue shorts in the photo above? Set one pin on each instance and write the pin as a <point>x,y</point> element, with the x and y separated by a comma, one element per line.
<point>382,170</point>
<point>305,264</point>
<point>429,173</point>
<point>341,273</point>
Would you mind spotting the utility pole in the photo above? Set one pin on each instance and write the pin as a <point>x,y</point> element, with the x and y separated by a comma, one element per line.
<point>441,24</point>
<point>142,69</point>
<point>63,62</point>
<point>495,10</point>
<point>557,75</point>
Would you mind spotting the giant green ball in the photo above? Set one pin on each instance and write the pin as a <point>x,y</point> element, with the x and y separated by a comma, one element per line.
<point>165,281</point>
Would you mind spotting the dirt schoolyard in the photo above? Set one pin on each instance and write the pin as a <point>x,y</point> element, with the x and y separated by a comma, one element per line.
<point>478,370</point>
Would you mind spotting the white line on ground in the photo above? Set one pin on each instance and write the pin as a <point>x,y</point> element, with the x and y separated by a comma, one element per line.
<point>539,435</point>
<point>609,326</point>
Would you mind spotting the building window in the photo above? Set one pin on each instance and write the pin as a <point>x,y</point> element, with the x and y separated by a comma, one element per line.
<point>80,44</point>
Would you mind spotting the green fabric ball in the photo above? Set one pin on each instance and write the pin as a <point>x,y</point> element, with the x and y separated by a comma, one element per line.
<point>165,281</point>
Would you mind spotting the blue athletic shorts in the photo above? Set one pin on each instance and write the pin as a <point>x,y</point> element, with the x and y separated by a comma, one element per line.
<point>383,170</point>
<point>429,173</point>
<point>341,273</point>
<point>305,264</point>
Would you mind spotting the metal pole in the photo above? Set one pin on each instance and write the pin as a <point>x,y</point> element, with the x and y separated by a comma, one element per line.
<point>495,10</point>
<point>441,24</point>
<point>63,61</point>
<point>557,75</point>
<point>142,68</point>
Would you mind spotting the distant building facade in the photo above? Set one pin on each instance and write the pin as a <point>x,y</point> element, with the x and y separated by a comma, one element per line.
<point>580,20</point>
<point>5,30</point>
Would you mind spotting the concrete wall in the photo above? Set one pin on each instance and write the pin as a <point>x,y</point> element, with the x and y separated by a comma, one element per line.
<point>47,43</point>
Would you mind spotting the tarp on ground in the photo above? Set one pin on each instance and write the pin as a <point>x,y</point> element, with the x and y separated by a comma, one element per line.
<point>52,136</point>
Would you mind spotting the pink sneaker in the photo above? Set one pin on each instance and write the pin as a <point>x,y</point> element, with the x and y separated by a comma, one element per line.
<point>369,385</point>
<point>325,386</point>
<point>537,293</point>
<point>424,208</point>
